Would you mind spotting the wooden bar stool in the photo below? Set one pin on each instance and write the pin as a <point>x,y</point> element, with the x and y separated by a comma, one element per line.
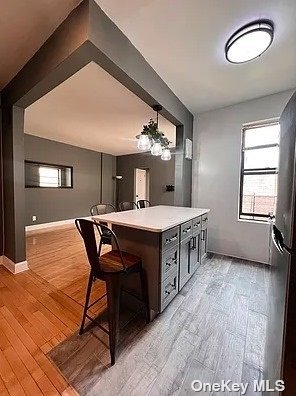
<point>111,268</point>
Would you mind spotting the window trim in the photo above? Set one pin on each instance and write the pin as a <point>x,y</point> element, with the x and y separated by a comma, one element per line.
<point>57,166</point>
<point>254,171</point>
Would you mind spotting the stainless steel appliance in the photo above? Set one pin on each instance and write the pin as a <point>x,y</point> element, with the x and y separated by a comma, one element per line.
<point>280,355</point>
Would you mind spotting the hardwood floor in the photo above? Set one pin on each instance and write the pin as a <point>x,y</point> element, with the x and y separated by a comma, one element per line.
<point>58,256</point>
<point>214,329</point>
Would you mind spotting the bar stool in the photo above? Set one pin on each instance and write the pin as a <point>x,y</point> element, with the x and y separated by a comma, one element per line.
<point>143,203</point>
<point>101,209</point>
<point>111,268</point>
<point>127,206</point>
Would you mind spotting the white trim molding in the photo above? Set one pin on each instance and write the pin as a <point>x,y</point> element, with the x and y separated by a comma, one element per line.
<point>13,267</point>
<point>52,224</point>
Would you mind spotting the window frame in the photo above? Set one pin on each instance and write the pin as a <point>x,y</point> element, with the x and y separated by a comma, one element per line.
<point>254,171</point>
<point>56,166</point>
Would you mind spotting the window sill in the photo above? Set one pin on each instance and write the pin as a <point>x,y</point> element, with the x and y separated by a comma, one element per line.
<point>267,222</point>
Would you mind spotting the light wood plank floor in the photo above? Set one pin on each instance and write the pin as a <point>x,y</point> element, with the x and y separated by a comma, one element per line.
<point>58,256</point>
<point>214,329</point>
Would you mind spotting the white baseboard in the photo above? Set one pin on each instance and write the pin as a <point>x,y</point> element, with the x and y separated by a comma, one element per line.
<point>13,267</point>
<point>41,226</point>
<point>240,258</point>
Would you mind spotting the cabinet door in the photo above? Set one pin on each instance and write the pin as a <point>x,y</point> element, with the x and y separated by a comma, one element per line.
<point>195,252</point>
<point>203,243</point>
<point>184,273</point>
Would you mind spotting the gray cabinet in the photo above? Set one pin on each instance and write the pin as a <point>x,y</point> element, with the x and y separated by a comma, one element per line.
<point>195,252</point>
<point>204,236</point>
<point>182,250</point>
<point>169,262</point>
<point>184,271</point>
<point>168,290</point>
<point>170,238</point>
<point>189,257</point>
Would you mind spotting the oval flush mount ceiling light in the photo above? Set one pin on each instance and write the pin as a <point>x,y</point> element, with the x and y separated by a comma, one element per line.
<point>249,42</point>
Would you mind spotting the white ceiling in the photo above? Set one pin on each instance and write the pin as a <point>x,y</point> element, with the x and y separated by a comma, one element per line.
<point>24,26</point>
<point>184,42</point>
<point>94,111</point>
<point>182,39</point>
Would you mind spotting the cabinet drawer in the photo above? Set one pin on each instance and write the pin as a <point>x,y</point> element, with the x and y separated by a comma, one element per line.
<point>186,229</point>
<point>169,289</point>
<point>169,262</point>
<point>204,221</point>
<point>170,238</point>
<point>196,225</point>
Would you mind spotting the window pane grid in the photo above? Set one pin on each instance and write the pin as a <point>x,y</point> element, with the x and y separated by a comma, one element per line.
<point>259,169</point>
<point>48,175</point>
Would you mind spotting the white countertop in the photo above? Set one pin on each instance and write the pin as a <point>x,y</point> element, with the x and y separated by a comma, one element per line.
<point>154,219</point>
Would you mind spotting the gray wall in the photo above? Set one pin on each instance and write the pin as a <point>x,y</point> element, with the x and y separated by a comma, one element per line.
<point>86,35</point>
<point>1,188</point>
<point>60,204</point>
<point>161,173</point>
<point>216,173</point>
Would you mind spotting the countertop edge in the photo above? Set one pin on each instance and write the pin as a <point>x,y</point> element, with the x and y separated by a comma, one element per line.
<point>155,230</point>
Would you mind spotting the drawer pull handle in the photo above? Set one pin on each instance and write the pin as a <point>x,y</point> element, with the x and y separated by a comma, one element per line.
<point>173,238</point>
<point>171,262</point>
<point>173,287</point>
<point>196,225</point>
<point>186,230</point>
<point>205,219</point>
<point>193,243</point>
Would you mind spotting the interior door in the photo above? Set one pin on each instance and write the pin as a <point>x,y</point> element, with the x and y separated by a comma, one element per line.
<point>280,353</point>
<point>140,184</point>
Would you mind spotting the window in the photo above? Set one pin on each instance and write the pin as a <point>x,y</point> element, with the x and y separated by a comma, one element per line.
<point>48,175</point>
<point>259,170</point>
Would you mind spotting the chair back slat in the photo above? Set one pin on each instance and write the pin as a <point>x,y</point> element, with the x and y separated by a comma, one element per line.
<point>86,229</point>
<point>127,206</point>
<point>102,208</point>
<point>143,203</point>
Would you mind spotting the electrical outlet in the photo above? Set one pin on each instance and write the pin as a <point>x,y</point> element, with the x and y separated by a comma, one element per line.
<point>34,218</point>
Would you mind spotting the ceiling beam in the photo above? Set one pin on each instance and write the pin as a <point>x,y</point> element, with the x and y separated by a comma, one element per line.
<point>86,35</point>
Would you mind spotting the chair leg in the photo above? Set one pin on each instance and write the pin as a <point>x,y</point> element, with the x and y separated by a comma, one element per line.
<point>144,288</point>
<point>113,299</point>
<point>88,291</point>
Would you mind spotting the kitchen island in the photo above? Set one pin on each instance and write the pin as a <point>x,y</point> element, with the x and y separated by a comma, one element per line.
<point>171,241</point>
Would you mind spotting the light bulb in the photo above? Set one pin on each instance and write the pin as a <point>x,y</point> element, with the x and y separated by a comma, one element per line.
<point>144,143</point>
<point>166,154</point>
<point>156,149</point>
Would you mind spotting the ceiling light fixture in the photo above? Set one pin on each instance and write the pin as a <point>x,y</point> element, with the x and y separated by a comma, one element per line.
<point>151,138</point>
<point>249,42</point>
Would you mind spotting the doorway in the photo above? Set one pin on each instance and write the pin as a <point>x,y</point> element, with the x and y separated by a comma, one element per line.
<point>141,184</point>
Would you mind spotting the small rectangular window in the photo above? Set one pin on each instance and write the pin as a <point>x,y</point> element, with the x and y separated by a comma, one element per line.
<point>259,170</point>
<point>39,174</point>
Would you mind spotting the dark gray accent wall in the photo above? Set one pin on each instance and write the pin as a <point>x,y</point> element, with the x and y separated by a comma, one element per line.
<point>114,52</point>
<point>86,35</point>
<point>1,188</point>
<point>14,183</point>
<point>161,173</point>
<point>51,204</point>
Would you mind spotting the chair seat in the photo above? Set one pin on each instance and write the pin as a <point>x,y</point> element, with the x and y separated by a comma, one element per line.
<point>111,262</point>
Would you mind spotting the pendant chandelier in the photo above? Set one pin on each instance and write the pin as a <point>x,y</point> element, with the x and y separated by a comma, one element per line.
<point>154,140</point>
